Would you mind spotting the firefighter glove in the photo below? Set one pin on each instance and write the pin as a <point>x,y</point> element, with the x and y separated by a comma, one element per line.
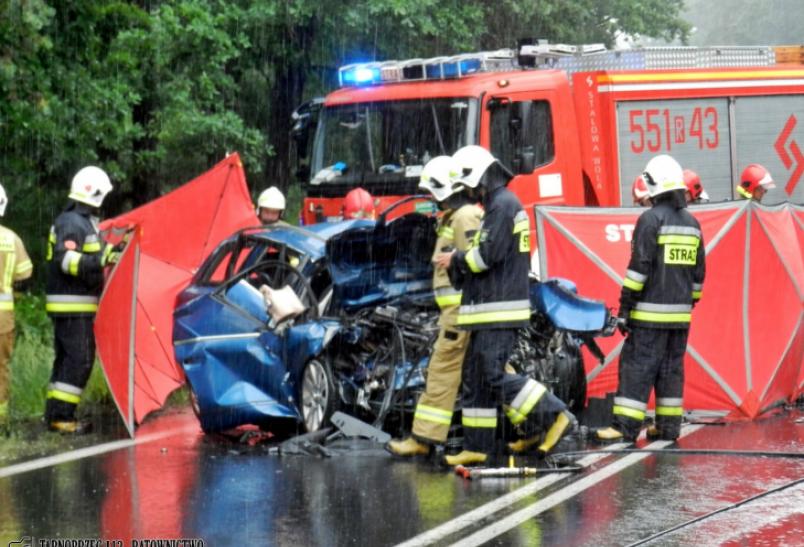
<point>622,322</point>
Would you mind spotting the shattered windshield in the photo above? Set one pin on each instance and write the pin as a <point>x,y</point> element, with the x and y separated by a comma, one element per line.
<point>384,141</point>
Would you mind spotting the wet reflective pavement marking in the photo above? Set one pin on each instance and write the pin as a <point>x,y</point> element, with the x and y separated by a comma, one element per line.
<point>515,519</point>
<point>459,523</point>
<point>472,517</point>
<point>90,451</point>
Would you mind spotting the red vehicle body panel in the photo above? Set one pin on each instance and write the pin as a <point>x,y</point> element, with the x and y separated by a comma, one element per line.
<point>589,159</point>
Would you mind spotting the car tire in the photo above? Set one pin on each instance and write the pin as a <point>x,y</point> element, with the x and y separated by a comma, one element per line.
<point>318,398</point>
<point>206,427</point>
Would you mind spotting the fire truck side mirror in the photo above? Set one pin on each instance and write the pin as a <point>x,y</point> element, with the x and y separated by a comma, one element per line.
<point>497,102</point>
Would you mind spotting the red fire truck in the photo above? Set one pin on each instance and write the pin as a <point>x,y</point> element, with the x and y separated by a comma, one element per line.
<point>575,123</point>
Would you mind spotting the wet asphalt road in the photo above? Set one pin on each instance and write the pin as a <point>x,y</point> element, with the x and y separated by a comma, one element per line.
<point>186,485</point>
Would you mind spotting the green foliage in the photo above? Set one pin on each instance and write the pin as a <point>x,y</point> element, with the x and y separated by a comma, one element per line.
<point>32,362</point>
<point>157,92</point>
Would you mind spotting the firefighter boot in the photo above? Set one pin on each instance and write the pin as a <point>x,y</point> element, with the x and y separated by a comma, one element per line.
<point>565,422</point>
<point>652,433</point>
<point>608,435</point>
<point>70,427</point>
<point>408,447</point>
<point>466,457</point>
<point>523,445</point>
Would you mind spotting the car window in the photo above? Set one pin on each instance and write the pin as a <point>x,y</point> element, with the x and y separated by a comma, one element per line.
<point>213,271</point>
<point>522,135</point>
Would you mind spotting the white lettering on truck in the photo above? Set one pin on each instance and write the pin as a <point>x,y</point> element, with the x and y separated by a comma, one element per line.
<point>618,232</point>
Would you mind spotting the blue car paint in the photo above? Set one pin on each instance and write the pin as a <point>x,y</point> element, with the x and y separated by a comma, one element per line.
<point>370,266</point>
<point>240,370</point>
<point>556,299</point>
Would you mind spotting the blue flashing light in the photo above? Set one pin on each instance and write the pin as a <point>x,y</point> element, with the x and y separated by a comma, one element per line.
<point>359,75</point>
<point>450,69</point>
<point>470,66</point>
<point>433,71</point>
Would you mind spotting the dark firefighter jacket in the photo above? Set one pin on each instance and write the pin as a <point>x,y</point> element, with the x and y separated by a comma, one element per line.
<point>666,273</point>
<point>493,272</point>
<point>76,257</point>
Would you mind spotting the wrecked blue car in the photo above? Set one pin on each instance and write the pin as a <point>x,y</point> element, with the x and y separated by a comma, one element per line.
<point>360,344</point>
<point>355,331</point>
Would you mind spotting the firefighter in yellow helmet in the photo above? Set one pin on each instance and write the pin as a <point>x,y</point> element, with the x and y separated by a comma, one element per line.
<point>458,224</point>
<point>77,257</point>
<point>663,282</point>
<point>18,268</point>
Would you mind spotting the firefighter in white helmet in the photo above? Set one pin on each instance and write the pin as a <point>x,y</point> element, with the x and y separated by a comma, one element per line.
<point>456,228</point>
<point>15,261</point>
<point>77,256</point>
<point>493,277</point>
<point>663,282</point>
<point>271,207</point>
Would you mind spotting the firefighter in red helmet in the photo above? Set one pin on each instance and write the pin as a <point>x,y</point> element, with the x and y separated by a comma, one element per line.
<point>755,182</point>
<point>358,203</point>
<point>639,192</point>
<point>695,190</point>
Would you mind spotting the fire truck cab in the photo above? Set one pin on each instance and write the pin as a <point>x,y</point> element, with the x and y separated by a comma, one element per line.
<point>575,124</point>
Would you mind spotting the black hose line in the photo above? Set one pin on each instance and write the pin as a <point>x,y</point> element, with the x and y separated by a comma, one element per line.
<point>713,513</point>
<point>686,452</point>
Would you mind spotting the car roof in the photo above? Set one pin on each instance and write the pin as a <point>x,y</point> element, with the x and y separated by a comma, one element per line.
<point>311,239</point>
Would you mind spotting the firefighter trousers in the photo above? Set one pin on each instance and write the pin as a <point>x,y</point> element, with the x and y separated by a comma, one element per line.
<point>75,353</point>
<point>6,347</point>
<point>651,358</point>
<point>434,410</point>
<point>527,403</point>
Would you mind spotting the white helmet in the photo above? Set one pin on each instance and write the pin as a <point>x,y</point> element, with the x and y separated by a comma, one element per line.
<point>271,198</point>
<point>90,185</point>
<point>473,161</point>
<point>663,174</point>
<point>3,200</point>
<point>438,175</point>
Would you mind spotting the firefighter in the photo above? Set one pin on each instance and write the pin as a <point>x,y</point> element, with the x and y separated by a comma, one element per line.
<point>76,256</point>
<point>456,227</point>
<point>639,192</point>
<point>755,182</point>
<point>271,207</point>
<point>695,190</point>
<point>493,277</point>
<point>17,268</point>
<point>663,282</point>
<point>358,203</point>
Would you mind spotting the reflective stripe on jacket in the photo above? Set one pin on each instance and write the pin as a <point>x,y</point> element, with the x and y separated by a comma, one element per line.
<point>76,256</point>
<point>15,265</point>
<point>493,272</point>
<point>666,272</point>
<point>455,231</point>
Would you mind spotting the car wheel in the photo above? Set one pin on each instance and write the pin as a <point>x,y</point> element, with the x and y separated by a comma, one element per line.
<point>206,427</point>
<point>317,395</point>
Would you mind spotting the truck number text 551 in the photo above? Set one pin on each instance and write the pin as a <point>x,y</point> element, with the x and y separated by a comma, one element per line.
<point>657,130</point>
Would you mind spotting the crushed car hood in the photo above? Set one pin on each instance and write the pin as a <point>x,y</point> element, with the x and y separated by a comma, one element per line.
<point>374,264</point>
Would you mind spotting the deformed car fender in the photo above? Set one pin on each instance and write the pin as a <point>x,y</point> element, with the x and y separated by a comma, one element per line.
<point>306,341</point>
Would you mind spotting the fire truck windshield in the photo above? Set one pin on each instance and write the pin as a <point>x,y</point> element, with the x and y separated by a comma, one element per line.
<point>387,142</point>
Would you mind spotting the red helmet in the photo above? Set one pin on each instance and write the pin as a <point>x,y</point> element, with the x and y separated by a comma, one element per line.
<point>752,178</point>
<point>693,183</point>
<point>639,190</point>
<point>358,203</point>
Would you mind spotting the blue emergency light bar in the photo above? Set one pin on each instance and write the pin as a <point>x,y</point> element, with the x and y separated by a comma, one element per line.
<point>437,68</point>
